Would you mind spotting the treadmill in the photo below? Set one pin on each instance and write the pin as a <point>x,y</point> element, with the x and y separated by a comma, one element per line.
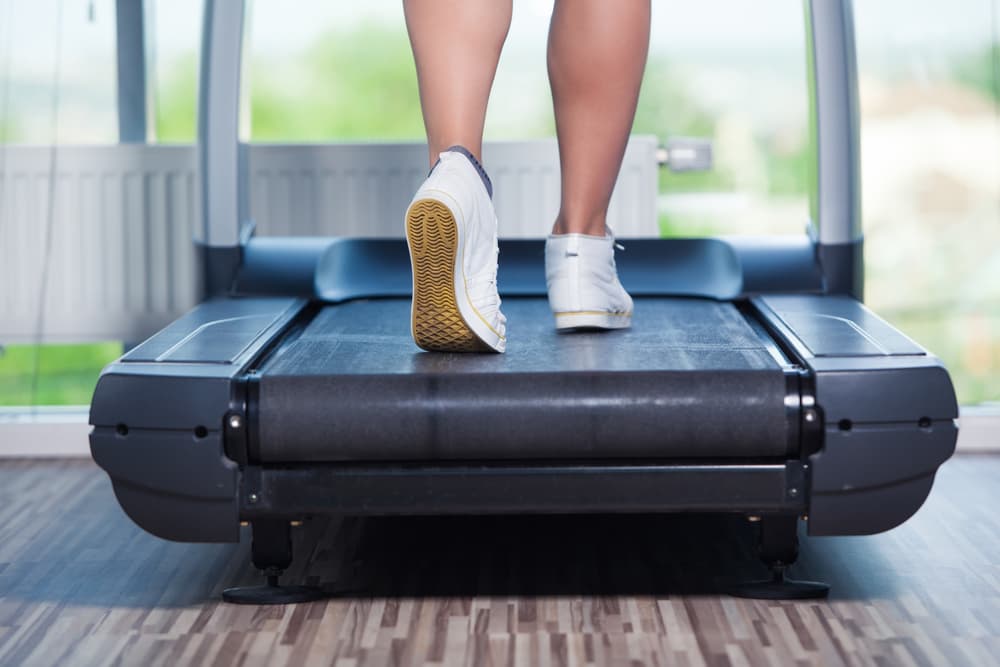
<point>753,381</point>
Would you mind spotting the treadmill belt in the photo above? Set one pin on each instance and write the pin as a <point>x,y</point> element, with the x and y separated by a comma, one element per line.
<point>689,380</point>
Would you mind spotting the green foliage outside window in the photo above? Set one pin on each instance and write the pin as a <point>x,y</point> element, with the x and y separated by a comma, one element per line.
<point>52,374</point>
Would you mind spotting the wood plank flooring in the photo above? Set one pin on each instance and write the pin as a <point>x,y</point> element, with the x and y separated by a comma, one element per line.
<point>81,585</point>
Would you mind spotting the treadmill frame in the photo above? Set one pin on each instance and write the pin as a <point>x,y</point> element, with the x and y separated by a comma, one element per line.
<point>174,437</point>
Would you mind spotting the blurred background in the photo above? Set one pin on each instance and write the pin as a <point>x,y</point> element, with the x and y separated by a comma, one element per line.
<point>728,70</point>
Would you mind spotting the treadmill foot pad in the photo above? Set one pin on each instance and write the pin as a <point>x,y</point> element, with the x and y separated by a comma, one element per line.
<point>272,593</point>
<point>780,588</point>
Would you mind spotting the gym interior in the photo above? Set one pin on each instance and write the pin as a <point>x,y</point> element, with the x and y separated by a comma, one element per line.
<point>220,445</point>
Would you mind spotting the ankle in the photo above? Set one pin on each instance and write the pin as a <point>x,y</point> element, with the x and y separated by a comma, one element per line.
<point>473,160</point>
<point>475,148</point>
<point>589,225</point>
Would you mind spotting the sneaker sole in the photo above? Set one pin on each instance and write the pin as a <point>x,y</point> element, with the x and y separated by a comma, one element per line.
<point>592,319</point>
<point>437,323</point>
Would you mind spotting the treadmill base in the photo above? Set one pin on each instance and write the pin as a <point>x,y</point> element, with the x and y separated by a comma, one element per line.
<point>272,593</point>
<point>778,547</point>
<point>271,551</point>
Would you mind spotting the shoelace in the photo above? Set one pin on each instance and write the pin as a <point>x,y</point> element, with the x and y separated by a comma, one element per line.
<point>489,303</point>
<point>614,242</point>
<point>572,251</point>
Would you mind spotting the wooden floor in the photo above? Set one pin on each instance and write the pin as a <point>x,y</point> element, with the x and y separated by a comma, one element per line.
<point>80,585</point>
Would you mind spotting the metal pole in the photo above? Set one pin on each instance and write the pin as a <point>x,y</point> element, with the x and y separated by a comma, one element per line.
<point>833,79</point>
<point>134,100</point>
<point>224,200</point>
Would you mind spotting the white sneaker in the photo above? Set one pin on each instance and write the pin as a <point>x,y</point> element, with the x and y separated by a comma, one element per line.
<point>451,231</point>
<point>584,291</point>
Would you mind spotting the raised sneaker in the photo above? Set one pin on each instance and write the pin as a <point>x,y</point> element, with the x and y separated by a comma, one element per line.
<point>451,232</point>
<point>584,290</point>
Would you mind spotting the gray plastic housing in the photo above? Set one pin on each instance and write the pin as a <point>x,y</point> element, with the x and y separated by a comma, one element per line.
<point>887,410</point>
<point>160,417</point>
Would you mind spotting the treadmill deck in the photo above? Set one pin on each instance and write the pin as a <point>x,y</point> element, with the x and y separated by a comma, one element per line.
<point>690,379</point>
<point>373,336</point>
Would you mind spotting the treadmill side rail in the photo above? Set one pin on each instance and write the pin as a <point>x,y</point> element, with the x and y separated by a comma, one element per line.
<point>161,415</point>
<point>888,410</point>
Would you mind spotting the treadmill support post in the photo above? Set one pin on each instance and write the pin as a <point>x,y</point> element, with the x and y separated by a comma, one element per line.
<point>835,190</point>
<point>778,547</point>
<point>271,552</point>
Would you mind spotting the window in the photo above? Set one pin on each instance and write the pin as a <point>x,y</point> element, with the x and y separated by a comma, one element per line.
<point>727,70</point>
<point>57,84</point>
<point>57,71</point>
<point>330,72</point>
<point>930,149</point>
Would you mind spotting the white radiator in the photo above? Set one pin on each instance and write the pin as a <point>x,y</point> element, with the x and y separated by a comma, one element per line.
<point>121,262</point>
<point>363,189</point>
<point>120,258</point>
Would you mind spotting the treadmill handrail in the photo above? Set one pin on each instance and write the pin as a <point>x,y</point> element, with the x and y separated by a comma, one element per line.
<point>223,190</point>
<point>833,81</point>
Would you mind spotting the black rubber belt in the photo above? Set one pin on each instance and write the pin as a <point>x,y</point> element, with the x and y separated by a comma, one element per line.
<point>691,380</point>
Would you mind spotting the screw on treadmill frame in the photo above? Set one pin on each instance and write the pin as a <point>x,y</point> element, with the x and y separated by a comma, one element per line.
<point>793,492</point>
<point>235,422</point>
<point>253,497</point>
<point>809,415</point>
<point>753,518</point>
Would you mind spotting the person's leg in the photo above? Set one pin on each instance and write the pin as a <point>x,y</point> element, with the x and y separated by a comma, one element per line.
<point>451,226</point>
<point>456,45</point>
<point>597,52</point>
<point>596,56</point>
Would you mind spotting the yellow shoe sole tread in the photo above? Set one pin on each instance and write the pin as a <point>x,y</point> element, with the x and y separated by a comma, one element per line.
<point>437,324</point>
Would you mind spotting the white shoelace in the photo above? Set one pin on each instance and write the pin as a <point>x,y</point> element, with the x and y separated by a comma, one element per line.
<point>614,241</point>
<point>489,302</point>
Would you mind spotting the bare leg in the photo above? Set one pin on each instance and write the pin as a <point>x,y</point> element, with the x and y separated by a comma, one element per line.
<point>597,53</point>
<point>456,45</point>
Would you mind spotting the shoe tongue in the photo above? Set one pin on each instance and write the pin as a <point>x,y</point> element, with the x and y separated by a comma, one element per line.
<point>487,183</point>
